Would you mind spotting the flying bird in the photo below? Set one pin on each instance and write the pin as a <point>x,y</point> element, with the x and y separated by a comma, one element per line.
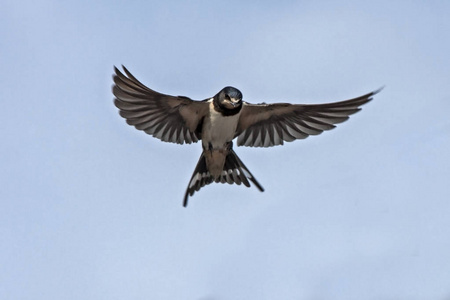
<point>218,120</point>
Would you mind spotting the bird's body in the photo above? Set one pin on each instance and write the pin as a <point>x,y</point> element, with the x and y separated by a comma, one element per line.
<point>220,119</point>
<point>217,129</point>
<point>217,134</point>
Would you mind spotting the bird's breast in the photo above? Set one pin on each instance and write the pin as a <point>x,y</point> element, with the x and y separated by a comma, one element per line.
<point>218,129</point>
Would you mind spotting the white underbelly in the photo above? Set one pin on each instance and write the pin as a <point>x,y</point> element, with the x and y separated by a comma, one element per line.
<point>218,130</point>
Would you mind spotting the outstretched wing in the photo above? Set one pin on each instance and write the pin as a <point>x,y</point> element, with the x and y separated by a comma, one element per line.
<point>267,125</point>
<point>168,118</point>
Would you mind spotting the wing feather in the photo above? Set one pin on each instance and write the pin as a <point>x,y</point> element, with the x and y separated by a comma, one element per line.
<point>266,125</point>
<point>174,119</point>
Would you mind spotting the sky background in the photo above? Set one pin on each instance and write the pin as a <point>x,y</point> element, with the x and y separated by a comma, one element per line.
<point>91,208</point>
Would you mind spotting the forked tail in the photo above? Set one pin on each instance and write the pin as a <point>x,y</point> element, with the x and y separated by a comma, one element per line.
<point>234,171</point>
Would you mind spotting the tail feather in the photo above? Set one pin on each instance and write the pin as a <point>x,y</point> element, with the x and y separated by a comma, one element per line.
<point>234,171</point>
<point>245,173</point>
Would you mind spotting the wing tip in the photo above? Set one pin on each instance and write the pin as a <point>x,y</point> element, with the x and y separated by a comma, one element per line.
<point>378,90</point>
<point>119,73</point>
<point>117,70</point>
<point>371,94</point>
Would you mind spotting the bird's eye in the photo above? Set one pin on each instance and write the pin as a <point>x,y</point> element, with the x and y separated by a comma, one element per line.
<point>227,97</point>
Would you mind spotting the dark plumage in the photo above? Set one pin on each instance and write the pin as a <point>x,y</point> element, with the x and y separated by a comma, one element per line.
<point>218,120</point>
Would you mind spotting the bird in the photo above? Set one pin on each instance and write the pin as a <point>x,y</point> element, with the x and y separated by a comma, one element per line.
<point>220,119</point>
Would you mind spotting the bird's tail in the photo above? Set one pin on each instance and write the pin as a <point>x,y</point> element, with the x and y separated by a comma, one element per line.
<point>234,171</point>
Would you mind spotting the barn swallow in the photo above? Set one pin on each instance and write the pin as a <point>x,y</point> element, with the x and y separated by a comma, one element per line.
<point>217,121</point>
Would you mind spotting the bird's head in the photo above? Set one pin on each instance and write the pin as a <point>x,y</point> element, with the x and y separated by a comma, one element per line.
<point>230,98</point>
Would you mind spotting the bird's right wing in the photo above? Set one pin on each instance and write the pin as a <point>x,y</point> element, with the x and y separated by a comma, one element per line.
<point>168,118</point>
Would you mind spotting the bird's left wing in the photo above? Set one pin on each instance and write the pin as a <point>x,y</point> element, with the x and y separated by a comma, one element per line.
<point>266,125</point>
<point>168,118</point>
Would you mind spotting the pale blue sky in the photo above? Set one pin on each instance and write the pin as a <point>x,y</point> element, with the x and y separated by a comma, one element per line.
<point>91,208</point>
